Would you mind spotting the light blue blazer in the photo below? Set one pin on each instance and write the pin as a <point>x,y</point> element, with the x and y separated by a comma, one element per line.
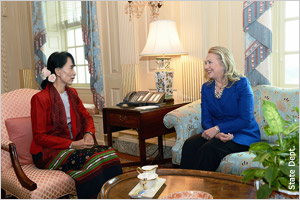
<point>233,112</point>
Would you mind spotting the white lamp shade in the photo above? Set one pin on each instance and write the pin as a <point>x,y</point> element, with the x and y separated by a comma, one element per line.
<point>163,39</point>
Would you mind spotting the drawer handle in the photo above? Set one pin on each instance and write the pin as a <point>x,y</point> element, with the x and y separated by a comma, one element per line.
<point>123,118</point>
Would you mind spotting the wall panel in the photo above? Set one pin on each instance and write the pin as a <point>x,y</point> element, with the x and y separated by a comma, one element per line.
<point>126,36</point>
<point>4,78</point>
<point>18,42</point>
<point>224,24</point>
<point>114,40</point>
<point>110,51</point>
<point>116,96</point>
<point>237,34</point>
<point>211,23</point>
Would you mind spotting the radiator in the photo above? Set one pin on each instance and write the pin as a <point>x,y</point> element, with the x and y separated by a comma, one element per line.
<point>193,76</point>
<point>130,78</point>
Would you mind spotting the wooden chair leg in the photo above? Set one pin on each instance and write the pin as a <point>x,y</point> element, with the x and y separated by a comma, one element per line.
<point>3,194</point>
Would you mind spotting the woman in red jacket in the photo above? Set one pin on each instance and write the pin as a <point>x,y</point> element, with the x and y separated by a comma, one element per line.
<point>63,131</point>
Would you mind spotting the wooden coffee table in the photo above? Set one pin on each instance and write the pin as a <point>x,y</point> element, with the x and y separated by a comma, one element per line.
<point>221,186</point>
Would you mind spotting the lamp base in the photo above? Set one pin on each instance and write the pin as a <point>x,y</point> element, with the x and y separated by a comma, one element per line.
<point>164,82</point>
<point>163,62</point>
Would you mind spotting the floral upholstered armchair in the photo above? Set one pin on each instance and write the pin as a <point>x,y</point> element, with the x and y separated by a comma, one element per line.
<point>19,176</point>
<point>187,121</point>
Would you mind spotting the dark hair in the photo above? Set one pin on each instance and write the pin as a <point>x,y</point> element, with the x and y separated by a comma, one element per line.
<point>56,60</point>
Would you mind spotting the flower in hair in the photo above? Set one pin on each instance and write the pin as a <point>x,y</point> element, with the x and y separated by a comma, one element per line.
<point>45,73</point>
<point>52,78</point>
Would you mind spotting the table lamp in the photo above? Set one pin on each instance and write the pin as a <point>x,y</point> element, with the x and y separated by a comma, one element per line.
<point>162,41</point>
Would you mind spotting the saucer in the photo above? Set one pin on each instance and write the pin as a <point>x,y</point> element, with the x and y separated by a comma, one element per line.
<point>139,193</point>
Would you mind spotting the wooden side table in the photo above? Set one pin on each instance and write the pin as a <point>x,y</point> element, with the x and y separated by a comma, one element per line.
<point>148,124</point>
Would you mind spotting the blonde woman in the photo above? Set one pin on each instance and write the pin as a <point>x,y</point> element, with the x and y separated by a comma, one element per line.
<point>226,112</point>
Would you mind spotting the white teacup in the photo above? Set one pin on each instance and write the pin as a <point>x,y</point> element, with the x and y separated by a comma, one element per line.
<point>147,180</point>
<point>147,169</point>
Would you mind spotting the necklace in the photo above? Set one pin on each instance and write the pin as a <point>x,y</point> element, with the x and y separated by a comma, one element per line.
<point>218,94</point>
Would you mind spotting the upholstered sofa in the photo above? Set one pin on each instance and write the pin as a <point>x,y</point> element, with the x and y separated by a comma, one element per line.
<point>187,121</point>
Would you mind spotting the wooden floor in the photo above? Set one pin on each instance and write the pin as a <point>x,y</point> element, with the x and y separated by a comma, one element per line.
<point>125,158</point>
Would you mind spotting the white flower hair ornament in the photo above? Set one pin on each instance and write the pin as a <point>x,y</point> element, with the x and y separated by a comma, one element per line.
<point>46,73</point>
<point>52,78</point>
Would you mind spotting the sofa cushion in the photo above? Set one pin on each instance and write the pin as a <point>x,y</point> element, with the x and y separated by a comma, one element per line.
<point>20,132</point>
<point>236,163</point>
<point>284,98</point>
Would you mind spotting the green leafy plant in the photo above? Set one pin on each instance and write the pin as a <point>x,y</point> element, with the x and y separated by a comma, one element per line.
<point>280,161</point>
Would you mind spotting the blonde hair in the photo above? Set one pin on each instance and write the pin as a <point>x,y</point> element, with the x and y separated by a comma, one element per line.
<point>226,58</point>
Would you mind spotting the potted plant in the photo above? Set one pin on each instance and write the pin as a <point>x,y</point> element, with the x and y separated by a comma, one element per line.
<point>280,161</point>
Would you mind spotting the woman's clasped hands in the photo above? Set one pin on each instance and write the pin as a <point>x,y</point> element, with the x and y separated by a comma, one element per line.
<point>224,137</point>
<point>86,143</point>
<point>213,132</point>
<point>210,133</point>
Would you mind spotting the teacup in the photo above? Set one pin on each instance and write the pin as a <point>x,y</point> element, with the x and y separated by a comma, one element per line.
<point>147,180</point>
<point>147,169</point>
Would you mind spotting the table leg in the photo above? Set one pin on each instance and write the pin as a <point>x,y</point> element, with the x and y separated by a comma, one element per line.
<point>160,147</point>
<point>109,136</point>
<point>142,145</point>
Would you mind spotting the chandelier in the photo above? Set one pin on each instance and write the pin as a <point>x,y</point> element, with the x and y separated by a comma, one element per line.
<point>136,8</point>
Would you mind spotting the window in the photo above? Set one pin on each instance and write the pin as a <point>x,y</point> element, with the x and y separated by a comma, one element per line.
<point>286,44</point>
<point>63,24</point>
<point>75,47</point>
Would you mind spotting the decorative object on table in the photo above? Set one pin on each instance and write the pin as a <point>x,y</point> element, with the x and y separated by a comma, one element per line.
<point>149,183</point>
<point>188,195</point>
<point>136,8</point>
<point>163,40</point>
<point>147,169</point>
<point>147,180</point>
<point>280,161</point>
<point>139,193</point>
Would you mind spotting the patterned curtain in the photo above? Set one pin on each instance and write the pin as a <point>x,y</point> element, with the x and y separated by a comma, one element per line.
<point>92,50</point>
<point>258,41</point>
<point>39,34</point>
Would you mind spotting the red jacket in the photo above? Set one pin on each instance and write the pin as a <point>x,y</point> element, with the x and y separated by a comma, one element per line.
<point>42,124</point>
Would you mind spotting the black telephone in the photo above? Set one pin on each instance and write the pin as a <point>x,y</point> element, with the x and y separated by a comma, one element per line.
<point>140,98</point>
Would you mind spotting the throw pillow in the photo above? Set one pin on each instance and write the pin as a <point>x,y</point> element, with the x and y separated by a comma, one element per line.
<point>20,132</point>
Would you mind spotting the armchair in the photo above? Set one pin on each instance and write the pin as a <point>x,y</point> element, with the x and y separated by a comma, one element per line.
<point>19,176</point>
<point>187,121</point>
